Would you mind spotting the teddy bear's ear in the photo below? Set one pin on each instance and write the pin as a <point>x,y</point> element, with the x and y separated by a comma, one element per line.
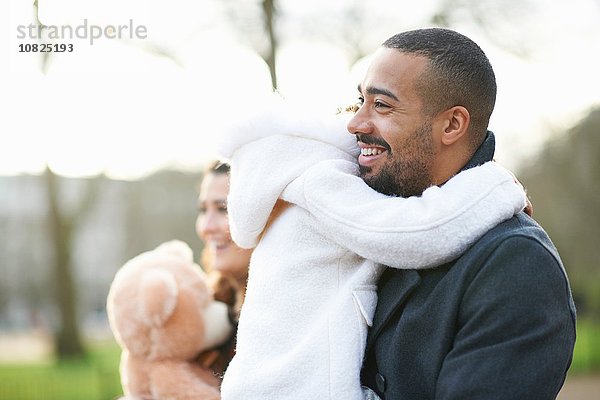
<point>178,249</point>
<point>158,296</point>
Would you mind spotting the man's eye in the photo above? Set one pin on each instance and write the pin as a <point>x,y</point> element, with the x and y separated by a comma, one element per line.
<point>201,210</point>
<point>379,104</point>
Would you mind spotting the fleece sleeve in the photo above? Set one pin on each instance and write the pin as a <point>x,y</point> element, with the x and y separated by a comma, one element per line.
<point>260,170</point>
<point>415,232</point>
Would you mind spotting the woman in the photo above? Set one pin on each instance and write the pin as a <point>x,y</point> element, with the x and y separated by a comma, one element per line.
<point>225,262</point>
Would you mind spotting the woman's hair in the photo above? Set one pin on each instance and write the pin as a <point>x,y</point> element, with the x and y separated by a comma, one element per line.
<point>217,167</point>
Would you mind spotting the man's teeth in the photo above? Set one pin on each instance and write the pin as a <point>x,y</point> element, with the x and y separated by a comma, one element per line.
<point>370,151</point>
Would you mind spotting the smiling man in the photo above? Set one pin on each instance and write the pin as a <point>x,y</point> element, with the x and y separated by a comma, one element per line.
<point>392,163</point>
<point>499,321</point>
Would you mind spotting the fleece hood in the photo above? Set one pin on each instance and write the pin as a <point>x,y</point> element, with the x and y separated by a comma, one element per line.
<point>263,147</point>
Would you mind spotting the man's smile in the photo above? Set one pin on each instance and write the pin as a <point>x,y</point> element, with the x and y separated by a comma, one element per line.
<point>369,154</point>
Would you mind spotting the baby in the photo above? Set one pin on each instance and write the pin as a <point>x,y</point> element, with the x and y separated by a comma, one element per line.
<point>322,237</point>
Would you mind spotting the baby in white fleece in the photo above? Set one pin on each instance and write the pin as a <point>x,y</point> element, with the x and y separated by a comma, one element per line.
<point>312,285</point>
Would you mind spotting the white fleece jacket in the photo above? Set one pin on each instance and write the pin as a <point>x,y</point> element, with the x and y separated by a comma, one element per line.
<point>311,291</point>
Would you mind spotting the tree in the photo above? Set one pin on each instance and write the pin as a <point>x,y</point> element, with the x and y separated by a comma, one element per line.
<point>566,200</point>
<point>62,225</point>
<point>269,13</point>
<point>256,24</point>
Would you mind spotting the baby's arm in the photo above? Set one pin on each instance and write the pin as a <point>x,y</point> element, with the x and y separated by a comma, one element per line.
<point>415,232</point>
<point>268,150</point>
<point>260,171</point>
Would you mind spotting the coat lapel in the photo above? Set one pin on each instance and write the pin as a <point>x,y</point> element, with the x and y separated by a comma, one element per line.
<point>394,287</point>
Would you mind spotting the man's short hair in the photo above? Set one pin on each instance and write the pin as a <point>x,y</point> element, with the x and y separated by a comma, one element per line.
<point>459,73</point>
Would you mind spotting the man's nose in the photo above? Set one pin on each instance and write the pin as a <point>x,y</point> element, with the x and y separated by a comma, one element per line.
<point>360,124</point>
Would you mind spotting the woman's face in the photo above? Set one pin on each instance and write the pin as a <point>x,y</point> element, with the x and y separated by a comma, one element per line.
<point>212,227</point>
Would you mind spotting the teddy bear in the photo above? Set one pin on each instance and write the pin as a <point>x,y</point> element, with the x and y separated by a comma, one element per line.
<point>162,314</point>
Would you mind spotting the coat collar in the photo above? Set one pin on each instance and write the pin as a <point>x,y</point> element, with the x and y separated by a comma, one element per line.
<point>396,285</point>
<point>484,153</point>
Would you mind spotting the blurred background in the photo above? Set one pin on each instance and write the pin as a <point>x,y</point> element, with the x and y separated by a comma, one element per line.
<point>102,147</point>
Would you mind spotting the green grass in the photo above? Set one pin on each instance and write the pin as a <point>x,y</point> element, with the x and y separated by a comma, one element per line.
<point>96,377</point>
<point>586,357</point>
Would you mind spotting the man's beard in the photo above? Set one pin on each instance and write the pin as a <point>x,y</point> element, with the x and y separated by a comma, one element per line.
<point>408,172</point>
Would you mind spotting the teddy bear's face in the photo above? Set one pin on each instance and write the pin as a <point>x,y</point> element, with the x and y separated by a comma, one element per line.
<point>156,307</point>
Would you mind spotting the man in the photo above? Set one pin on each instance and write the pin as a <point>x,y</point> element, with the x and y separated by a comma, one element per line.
<point>499,321</point>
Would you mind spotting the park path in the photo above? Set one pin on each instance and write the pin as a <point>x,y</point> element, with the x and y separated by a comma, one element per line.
<point>584,387</point>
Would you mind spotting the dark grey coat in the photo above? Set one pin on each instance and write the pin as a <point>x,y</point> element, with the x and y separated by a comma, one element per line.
<point>497,323</point>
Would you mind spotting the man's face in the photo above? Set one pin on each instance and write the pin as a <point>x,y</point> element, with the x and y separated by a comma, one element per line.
<point>397,150</point>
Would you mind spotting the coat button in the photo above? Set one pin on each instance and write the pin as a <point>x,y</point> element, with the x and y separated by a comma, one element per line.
<point>380,382</point>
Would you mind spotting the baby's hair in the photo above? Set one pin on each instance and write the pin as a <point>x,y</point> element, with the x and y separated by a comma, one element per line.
<point>352,108</point>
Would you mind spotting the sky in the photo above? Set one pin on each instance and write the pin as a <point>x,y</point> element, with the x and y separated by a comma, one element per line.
<point>121,107</point>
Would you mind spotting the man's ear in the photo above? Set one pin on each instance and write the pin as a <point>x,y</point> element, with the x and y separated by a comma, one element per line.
<point>455,122</point>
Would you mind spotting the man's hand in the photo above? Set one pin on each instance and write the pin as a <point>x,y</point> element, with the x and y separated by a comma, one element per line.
<point>529,208</point>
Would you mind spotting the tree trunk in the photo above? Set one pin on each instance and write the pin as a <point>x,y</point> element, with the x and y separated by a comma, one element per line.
<point>67,339</point>
<point>269,19</point>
